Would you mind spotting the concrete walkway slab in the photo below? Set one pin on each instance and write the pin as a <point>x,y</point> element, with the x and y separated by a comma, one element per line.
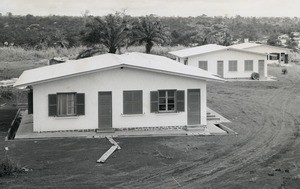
<point>269,78</point>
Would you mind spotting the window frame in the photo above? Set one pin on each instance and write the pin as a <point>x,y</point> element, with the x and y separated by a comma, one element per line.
<point>58,105</point>
<point>131,104</point>
<point>230,67</point>
<point>166,100</point>
<point>247,66</point>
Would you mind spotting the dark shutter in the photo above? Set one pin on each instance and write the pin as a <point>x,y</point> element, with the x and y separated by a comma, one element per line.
<point>286,58</point>
<point>180,101</point>
<point>137,107</point>
<point>80,107</point>
<point>127,106</point>
<point>52,99</point>
<point>132,102</point>
<point>30,101</point>
<point>154,101</point>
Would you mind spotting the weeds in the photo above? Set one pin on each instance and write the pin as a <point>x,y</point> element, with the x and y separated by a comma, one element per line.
<point>9,167</point>
<point>10,54</point>
<point>6,93</point>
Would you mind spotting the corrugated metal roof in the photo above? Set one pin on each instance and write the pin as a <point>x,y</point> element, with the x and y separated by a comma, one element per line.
<point>109,61</point>
<point>197,50</point>
<point>210,48</point>
<point>247,46</point>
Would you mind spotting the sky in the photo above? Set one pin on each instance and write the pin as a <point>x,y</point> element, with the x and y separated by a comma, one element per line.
<point>257,8</point>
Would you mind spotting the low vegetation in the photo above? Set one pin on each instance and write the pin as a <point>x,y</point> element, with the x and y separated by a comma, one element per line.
<point>9,166</point>
<point>9,54</point>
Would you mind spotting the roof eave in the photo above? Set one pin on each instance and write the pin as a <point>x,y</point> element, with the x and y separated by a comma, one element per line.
<point>65,76</point>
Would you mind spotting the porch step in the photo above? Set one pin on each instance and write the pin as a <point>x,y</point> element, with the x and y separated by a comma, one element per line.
<point>213,118</point>
<point>195,128</point>
<point>105,131</point>
<point>210,115</point>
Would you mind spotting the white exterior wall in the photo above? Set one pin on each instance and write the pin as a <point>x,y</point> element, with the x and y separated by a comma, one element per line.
<point>117,81</point>
<point>227,55</point>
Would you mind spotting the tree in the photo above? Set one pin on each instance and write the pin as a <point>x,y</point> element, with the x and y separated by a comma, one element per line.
<point>149,30</point>
<point>215,34</point>
<point>112,31</point>
<point>291,43</point>
<point>274,41</point>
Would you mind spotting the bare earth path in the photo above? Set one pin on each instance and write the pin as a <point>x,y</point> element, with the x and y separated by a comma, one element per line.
<point>265,153</point>
<point>271,129</point>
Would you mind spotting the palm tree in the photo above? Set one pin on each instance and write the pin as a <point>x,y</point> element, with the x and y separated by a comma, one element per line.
<point>149,30</point>
<point>111,31</point>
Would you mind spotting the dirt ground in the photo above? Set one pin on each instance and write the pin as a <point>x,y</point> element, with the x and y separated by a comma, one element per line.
<point>265,153</point>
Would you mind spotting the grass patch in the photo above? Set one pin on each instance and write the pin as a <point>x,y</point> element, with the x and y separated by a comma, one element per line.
<point>9,54</point>
<point>9,166</point>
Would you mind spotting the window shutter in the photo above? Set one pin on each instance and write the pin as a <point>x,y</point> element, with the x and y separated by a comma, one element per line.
<point>80,103</point>
<point>30,101</point>
<point>127,106</point>
<point>138,102</point>
<point>154,101</point>
<point>180,101</point>
<point>52,104</point>
<point>132,102</point>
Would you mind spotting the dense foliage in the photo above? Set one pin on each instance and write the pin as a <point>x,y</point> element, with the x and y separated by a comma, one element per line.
<point>113,30</point>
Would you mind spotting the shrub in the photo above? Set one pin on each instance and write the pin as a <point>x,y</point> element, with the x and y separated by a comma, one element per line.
<point>9,167</point>
<point>6,93</point>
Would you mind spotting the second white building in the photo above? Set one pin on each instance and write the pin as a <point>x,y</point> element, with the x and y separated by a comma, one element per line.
<point>226,62</point>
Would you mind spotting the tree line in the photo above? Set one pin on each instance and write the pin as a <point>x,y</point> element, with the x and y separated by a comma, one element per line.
<point>114,31</point>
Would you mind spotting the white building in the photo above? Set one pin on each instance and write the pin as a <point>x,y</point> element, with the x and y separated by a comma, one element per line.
<point>227,62</point>
<point>108,92</point>
<point>275,54</point>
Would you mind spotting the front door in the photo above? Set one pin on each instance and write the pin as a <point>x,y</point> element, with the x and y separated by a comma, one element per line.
<point>261,68</point>
<point>220,68</point>
<point>105,111</point>
<point>194,107</point>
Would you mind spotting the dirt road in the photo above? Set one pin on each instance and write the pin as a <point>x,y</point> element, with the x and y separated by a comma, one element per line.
<point>266,115</point>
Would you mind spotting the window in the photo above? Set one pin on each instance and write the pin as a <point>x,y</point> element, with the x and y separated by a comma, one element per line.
<point>248,65</point>
<point>132,102</point>
<point>66,104</point>
<point>232,65</point>
<point>167,101</point>
<point>203,65</point>
<point>178,59</point>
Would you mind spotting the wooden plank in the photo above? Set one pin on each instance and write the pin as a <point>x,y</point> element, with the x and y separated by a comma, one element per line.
<point>111,140</point>
<point>107,154</point>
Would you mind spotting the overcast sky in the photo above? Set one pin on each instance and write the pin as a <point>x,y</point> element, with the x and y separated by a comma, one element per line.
<point>257,8</point>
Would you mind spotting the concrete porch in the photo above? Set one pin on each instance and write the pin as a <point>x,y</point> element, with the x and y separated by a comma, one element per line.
<point>25,130</point>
